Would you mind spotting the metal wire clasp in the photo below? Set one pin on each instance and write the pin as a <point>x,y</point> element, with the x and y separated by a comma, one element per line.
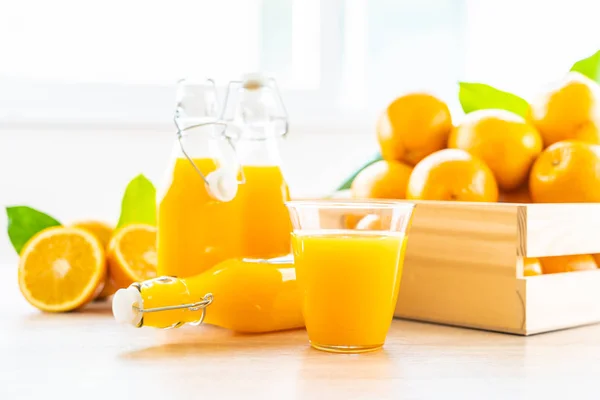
<point>199,305</point>
<point>210,119</point>
<point>182,146</point>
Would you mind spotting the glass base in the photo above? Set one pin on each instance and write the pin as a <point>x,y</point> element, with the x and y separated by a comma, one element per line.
<point>346,349</point>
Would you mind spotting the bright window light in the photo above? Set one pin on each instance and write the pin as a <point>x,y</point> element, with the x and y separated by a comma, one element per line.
<point>340,60</point>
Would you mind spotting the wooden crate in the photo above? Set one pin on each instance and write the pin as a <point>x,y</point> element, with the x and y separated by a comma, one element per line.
<point>464,266</point>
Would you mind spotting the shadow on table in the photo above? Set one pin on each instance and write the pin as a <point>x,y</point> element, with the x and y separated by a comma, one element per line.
<point>426,333</point>
<point>208,340</point>
<point>368,375</point>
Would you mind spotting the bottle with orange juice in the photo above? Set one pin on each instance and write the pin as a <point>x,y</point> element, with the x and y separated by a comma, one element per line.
<point>244,295</point>
<point>224,194</point>
<point>255,114</point>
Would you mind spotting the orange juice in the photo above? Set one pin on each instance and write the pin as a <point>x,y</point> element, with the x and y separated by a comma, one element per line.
<point>266,225</point>
<point>349,282</point>
<point>195,231</point>
<point>248,296</point>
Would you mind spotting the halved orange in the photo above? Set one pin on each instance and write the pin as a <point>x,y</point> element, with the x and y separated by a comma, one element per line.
<point>132,254</point>
<point>61,269</point>
<point>103,232</point>
<point>109,288</point>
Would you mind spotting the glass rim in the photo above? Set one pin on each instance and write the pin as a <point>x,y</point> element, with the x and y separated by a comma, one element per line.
<point>352,204</point>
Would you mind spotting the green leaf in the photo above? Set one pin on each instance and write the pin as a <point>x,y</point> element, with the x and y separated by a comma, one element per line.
<point>139,203</point>
<point>24,222</point>
<point>479,96</point>
<point>348,182</point>
<point>589,66</point>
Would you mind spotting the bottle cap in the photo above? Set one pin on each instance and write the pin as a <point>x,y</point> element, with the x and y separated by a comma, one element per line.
<point>254,80</point>
<point>123,305</point>
<point>223,184</point>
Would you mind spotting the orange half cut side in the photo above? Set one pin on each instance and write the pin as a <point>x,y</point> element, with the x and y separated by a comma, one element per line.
<point>61,269</point>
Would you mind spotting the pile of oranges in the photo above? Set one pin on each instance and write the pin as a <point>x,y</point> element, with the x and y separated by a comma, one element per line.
<point>549,155</point>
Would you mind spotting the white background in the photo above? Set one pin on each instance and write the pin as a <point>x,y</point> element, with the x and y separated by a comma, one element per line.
<point>87,87</point>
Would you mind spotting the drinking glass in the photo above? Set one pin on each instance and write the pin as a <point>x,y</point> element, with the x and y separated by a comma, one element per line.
<point>349,257</point>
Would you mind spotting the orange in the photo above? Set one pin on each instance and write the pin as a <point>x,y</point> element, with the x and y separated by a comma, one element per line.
<point>132,254</point>
<point>370,222</point>
<point>596,258</point>
<point>569,109</point>
<point>452,174</point>
<point>579,262</point>
<point>566,172</point>
<point>103,232</point>
<point>382,180</point>
<point>503,140</point>
<point>349,221</point>
<point>412,127</point>
<point>61,269</point>
<point>520,195</point>
<point>532,267</point>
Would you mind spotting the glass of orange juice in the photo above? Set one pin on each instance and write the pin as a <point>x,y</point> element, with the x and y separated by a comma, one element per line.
<point>349,276</point>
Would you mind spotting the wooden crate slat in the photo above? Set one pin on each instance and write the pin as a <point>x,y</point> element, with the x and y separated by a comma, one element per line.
<point>473,233</point>
<point>560,301</point>
<point>562,229</point>
<point>460,296</point>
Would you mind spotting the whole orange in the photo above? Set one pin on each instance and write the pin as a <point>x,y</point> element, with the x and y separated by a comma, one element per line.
<point>452,174</point>
<point>382,180</point>
<point>569,109</point>
<point>579,262</point>
<point>412,127</point>
<point>566,172</point>
<point>503,140</point>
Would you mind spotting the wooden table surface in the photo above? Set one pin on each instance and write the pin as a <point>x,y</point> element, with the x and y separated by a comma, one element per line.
<point>86,355</point>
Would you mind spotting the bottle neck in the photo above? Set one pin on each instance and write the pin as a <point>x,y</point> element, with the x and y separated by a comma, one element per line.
<point>258,152</point>
<point>250,148</point>
<point>206,142</point>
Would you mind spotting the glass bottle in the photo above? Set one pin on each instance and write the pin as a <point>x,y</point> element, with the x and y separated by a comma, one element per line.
<point>198,209</point>
<point>244,295</point>
<point>256,116</point>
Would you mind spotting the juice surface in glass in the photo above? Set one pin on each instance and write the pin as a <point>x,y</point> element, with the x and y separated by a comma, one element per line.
<point>195,231</point>
<point>349,281</point>
<point>266,225</point>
